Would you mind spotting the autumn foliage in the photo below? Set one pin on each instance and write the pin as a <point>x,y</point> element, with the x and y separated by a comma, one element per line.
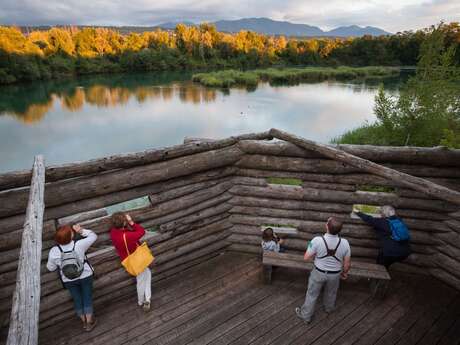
<point>74,51</point>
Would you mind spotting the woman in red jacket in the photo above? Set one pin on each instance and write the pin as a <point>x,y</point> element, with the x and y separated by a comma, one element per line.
<point>124,227</point>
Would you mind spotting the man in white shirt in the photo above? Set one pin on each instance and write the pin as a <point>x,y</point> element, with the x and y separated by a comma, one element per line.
<point>332,261</point>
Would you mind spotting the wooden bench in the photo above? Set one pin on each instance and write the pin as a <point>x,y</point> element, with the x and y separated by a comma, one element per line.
<point>377,274</point>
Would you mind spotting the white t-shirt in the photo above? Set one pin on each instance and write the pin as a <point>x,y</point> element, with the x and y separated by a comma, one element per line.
<point>272,246</point>
<point>81,246</point>
<point>316,246</point>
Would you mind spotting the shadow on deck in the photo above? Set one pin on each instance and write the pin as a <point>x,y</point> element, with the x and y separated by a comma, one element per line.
<point>223,301</point>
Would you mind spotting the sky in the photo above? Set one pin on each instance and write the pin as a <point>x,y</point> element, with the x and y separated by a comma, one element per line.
<point>390,15</point>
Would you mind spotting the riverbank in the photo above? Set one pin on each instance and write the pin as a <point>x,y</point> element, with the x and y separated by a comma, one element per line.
<point>229,78</point>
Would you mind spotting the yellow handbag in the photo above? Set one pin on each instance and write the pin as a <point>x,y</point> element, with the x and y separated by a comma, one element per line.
<point>136,262</point>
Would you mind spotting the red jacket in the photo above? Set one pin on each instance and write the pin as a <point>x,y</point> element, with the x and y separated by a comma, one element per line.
<point>132,239</point>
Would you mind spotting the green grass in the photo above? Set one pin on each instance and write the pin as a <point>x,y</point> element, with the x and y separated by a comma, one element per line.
<point>369,209</point>
<point>285,181</point>
<point>371,188</point>
<point>290,76</point>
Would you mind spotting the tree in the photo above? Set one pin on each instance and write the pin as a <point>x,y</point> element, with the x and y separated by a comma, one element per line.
<point>427,111</point>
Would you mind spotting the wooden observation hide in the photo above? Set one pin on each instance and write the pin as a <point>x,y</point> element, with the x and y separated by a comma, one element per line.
<point>210,196</point>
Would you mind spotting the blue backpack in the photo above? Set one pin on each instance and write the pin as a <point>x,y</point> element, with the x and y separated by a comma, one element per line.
<point>399,230</point>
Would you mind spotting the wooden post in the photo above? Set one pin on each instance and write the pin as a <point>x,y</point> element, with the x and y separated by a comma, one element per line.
<point>26,298</point>
<point>416,183</point>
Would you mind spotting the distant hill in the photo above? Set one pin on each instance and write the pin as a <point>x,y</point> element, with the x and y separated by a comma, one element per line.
<point>274,27</point>
<point>262,25</point>
<point>356,31</point>
<point>268,26</point>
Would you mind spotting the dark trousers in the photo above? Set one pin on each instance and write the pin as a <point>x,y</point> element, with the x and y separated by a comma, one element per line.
<point>82,295</point>
<point>387,261</point>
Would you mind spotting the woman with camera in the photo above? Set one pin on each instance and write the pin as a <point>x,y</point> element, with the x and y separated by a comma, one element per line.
<point>76,273</point>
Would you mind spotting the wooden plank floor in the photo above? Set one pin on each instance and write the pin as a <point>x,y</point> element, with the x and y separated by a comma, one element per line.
<point>223,301</point>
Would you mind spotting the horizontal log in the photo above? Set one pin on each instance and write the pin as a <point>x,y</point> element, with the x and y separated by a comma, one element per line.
<point>260,210</point>
<point>322,206</point>
<point>83,216</point>
<point>449,250</point>
<point>445,262</point>
<point>250,181</point>
<point>200,207</point>
<point>176,193</point>
<point>315,227</point>
<point>354,179</point>
<point>15,222</point>
<point>455,215</point>
<point>453,224</point>
<point>197,219</point>
<point>331,186</point>
<point>392,173</point>
<point>446,277</point>
<point>437,156</point>
<point>357,252</point>
<point>307,236</point>
<point>330,166</point>
<point>245,248</point>
<point>184,202</point>
<point>192,236</point>
<point>167,269</point>
<point>350,198</point>
<point>13,239</point>
<point>190,247</point>
<point>61,192</point>
<point>59,172</point>
<point>319,165</point>
<point>451,238</point>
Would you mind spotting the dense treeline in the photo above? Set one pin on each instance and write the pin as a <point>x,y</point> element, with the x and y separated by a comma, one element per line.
<point>62,52</point>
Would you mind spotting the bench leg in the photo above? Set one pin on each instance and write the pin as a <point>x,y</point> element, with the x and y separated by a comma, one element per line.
<point>379,288</point>
<point>267,272</point>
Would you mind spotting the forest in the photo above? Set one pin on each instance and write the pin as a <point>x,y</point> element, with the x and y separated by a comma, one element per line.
<point>66,52</point>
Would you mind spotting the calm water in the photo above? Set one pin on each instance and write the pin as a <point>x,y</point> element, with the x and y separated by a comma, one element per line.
<point>87,118</point>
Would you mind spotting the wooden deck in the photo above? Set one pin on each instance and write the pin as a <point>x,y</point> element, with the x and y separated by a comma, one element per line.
<point>223,301</point>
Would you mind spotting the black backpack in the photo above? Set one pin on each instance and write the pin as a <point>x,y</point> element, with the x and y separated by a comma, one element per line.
<point>71,265</point>
<point>331,252</point>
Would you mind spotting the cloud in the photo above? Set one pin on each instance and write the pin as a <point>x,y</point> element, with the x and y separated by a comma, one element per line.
<point>390,15</point>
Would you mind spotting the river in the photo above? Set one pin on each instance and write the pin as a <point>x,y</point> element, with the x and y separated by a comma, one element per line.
<point>79,119</point>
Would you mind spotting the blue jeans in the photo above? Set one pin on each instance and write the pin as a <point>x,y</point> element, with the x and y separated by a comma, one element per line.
<point>82,294</point>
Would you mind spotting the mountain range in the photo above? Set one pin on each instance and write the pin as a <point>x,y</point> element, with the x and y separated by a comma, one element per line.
<point>273,27</point>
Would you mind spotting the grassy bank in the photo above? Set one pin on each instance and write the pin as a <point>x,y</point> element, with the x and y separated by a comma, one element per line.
<point>229,78</point>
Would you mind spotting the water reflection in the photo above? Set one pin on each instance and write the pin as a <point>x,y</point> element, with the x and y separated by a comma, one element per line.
<point>30,104</point>
<point>104,96</point>
<point>86,118</point>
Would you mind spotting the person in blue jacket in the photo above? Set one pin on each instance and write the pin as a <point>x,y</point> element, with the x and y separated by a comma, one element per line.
<point>392,234</point>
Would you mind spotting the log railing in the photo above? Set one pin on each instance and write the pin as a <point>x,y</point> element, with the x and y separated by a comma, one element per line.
<point>23,328</point>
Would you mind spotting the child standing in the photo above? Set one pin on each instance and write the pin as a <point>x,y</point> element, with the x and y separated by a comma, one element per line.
<point>270,241</point>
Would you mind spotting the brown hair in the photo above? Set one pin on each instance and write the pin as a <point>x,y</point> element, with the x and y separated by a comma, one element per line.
<point>63,235</point>
<point>334,225</point>
<point>267,235</point>
<point>118,220</point>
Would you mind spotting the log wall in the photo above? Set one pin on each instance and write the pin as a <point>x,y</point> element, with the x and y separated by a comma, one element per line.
<point>207,197</point>
<point>187,212</point>
<point>330,188</point>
